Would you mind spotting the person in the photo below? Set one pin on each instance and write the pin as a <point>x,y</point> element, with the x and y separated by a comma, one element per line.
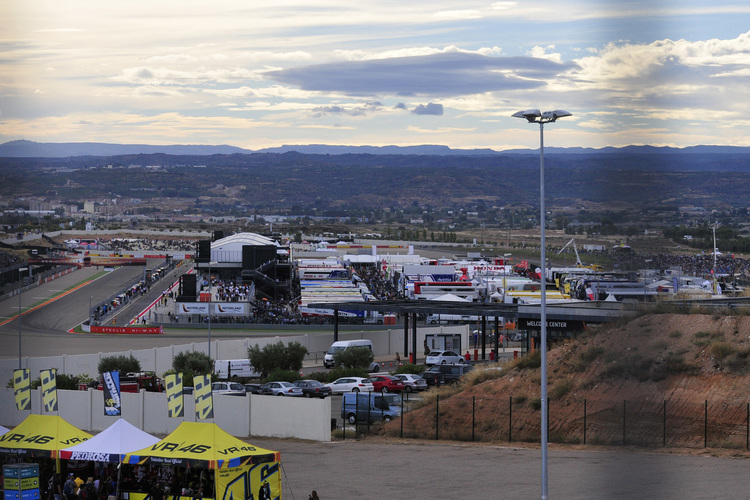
<point>264,493</point>
<point>398,358</point>
<point>69,488</point>
<point>79,483</point>
<point>467,356</point>
<point>492,355</point>
<point>314,495</point>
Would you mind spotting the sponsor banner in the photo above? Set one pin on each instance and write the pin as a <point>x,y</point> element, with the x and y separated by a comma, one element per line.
<point>22,389</point>
<point>175,398</point>
<point>204,405</point>
<point>128,329</point>
<point>250,481</point>
<point>90,455</point>
<point>49,389</point>
<point>147,496</point>
<point>229,308</point>
<point>192,308</point>
<point>112,401</point>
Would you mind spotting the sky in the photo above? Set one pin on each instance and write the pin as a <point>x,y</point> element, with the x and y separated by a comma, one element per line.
<point>264,74</point>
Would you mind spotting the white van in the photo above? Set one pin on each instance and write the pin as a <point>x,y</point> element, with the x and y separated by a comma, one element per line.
<point>234,368</point>
<point>345,344</point>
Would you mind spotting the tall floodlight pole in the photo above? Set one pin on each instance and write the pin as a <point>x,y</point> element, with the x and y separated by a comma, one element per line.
<point>20,289</point>
<point>535,116</point>
<point>211,263</point>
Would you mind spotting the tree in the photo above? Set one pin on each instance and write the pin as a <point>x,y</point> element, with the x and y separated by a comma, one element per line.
<point>191,364</point>
<point>354,357</point>
<point>278,356</point>
<point>123,364</point>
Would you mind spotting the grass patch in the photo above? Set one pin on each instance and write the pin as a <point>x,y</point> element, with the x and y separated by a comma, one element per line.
<point>520,399</point>
<point>676,334</point>
<point>535,403</point>
<point>583,359</point>
<point>721,350</point>
<point>529,362</point>
<point>703,338</point>
<point>561,388</point>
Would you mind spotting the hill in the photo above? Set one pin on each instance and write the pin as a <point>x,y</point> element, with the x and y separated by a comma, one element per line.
<point>679,380</point>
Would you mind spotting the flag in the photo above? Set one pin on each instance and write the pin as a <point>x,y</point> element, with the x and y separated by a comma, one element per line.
<point>49,389</point>
<point>175,403</point>
<point>22,388</point>
<point>204,404</point>
<point>112,401</point>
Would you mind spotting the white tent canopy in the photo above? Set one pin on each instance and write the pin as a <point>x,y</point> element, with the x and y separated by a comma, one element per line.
<point>3,430</point>
<point>449,297</point>
<point>107,446</point>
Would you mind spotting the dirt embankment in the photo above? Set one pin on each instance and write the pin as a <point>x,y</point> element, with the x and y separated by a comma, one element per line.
<point>661,379</point>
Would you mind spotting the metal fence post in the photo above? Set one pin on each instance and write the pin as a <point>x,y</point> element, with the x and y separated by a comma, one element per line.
<point>747,429</point>
<point>705,425</point>
<point>664,426</point>
<point>437,416</point>
<point>624,412</point>
<point>510,420</point>
<point>584,421</point>
<point>473,416</point>
<point>402,415</point>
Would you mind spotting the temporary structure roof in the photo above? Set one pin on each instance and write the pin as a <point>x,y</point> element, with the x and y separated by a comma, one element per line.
<point>119,438</point>
<point>3,430</point>
<point>201,444</point>
<point>41,436</point>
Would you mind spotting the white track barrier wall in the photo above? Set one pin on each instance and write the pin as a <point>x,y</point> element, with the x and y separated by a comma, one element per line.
<point>251,415</point>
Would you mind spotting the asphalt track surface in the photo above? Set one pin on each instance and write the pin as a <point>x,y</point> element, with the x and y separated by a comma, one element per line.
<point>375,469</point>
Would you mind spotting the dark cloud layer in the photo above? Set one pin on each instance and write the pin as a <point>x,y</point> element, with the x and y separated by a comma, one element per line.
<point>442,75</point>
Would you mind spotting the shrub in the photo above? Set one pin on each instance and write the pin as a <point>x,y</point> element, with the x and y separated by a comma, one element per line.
<point>354,357</point>
<point>720,350</point>
<point>123,364</point>
<point>410,368</point>
<point>530,361</point>
<point>283,375</point>
<point>278,356</point>
<point>191,364</point>
<point>561,388</point>
<point>583,359</point>
<point>535,403</point>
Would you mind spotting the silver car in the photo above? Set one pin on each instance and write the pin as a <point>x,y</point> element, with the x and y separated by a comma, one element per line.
<point>412,382</point>
<point>280,389</point>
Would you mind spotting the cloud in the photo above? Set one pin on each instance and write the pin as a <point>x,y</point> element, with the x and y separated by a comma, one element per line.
<point>429,109</point>
<point>436,75</point>
<point>357,110</point>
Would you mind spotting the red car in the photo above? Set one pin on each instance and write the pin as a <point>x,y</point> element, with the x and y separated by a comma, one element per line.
<point>386,383</point>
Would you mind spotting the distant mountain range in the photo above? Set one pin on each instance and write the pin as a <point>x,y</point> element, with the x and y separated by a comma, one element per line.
<point>30,149</point>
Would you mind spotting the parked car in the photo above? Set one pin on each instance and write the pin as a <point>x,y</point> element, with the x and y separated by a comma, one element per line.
<point>313,388</point>
<point>433,379</point>
<point>350,384</point>
<point>443,358</point>
<point>412,382</point>
<point>386,383</point>
<point>252,388</point>
<point>231,388</point>
<point>372,407</point>
<point>451,373</point>
<point>280,389</point>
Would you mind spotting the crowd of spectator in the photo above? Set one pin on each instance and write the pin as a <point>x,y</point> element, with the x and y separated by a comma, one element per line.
<point>8,259</point>
<point>141,244</point>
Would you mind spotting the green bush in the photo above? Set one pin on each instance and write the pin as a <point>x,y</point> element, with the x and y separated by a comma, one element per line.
<point>123,364</point>
<point>191,364</point>
<point>283,375</point>
<point>278,356</point>
<point>354,357</point>
<point>410,368</point>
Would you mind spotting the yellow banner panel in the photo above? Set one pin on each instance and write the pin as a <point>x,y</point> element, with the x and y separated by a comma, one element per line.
<point>204,405</point>
<point>22,388</point>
